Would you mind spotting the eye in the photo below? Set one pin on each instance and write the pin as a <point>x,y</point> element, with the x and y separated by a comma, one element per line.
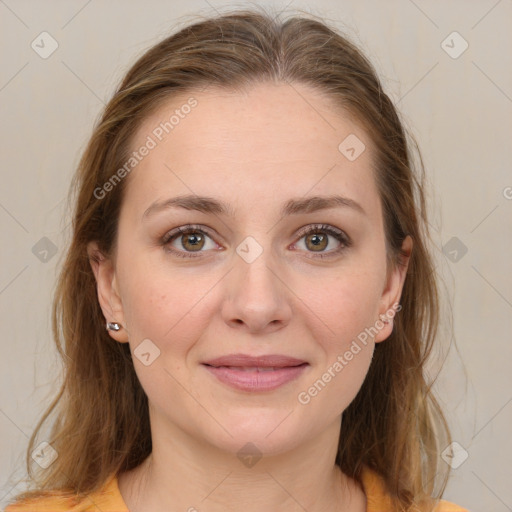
<point>316,240</point>
<point>186,240</point>
<point>189,241</point>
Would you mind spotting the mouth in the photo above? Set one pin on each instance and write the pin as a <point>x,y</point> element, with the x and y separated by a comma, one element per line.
<point>253,374</point>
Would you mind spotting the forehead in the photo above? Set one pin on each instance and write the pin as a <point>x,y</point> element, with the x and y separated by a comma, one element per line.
<point>278,138</point>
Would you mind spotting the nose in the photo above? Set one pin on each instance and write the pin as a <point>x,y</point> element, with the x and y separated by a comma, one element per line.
<point>256,297</point>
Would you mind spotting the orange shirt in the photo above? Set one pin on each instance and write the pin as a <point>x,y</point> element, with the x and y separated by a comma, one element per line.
<point>110,499</point>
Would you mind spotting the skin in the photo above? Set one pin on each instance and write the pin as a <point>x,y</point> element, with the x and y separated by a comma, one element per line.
<point>254,151</point>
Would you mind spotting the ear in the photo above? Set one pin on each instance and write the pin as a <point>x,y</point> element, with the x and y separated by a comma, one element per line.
<point>108,293</point>
<point>393,291</point>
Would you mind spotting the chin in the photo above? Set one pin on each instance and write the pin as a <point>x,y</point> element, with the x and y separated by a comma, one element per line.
<point>269,431</point>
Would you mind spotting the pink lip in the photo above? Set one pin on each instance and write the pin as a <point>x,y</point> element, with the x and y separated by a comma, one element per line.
<point>271,360</point>
<point>229,369</point>
<point>256,380</point>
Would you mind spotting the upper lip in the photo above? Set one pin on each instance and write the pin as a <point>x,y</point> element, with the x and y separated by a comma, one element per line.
<point>266,361</point>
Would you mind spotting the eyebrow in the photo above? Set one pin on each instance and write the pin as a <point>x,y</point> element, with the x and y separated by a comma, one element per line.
<point>293,206</point>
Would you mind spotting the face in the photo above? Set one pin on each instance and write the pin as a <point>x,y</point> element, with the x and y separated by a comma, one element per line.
<point>264,276</point>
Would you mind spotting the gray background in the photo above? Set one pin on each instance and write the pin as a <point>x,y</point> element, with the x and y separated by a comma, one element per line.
<point>458,108</point>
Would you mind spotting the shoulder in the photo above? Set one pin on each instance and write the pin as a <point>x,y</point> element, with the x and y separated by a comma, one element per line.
<point>107,499</point>
<point>447,506</point>
<point>378,498</point>
<point>43,504</point>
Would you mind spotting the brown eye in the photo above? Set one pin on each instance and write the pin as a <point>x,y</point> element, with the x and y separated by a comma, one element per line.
<point>193,241</point>
<point>316,242</point>
<point>317,239</point>
<point>187,241</point>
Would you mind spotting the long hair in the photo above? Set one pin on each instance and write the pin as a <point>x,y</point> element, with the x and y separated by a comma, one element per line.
<point>394,425</point>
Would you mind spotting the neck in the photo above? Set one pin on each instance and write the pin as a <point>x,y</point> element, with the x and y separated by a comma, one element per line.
<point>184,474</point>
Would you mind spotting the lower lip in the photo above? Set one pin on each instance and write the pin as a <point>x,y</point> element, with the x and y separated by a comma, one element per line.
<point>254,380</point>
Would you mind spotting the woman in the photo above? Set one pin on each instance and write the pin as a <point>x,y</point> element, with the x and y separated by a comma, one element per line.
<point>248,300</point>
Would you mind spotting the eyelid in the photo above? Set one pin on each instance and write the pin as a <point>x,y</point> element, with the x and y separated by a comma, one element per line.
<point>323,227</point>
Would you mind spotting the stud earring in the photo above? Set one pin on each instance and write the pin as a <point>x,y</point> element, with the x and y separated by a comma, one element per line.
<point>113,326</point>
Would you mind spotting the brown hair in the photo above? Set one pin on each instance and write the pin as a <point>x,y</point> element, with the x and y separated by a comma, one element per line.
<point>394,425</point>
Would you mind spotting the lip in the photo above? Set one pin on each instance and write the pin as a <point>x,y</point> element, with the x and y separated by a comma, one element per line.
<point>256,379</point>
<point>256,373</point>
<point>265,361</point>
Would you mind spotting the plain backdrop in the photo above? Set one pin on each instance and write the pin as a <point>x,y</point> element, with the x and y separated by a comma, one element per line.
<point>447,65</point>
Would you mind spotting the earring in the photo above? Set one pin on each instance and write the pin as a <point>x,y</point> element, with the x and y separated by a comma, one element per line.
<point>113,326</point>
<point>384,319</point>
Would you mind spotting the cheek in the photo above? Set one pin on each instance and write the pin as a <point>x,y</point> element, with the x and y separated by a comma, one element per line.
<point>161,305</point>
<point>331,389</point>
<point>341,313</point>
<point>341,372</point>
<point>342,307</point>
<point>169,312</point>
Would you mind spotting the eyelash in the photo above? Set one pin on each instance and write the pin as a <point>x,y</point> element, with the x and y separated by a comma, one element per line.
<point>315,228</point>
